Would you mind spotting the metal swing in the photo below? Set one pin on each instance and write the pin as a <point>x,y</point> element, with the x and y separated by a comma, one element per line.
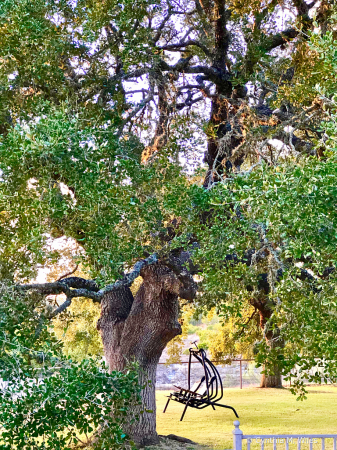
<point>208,391</point>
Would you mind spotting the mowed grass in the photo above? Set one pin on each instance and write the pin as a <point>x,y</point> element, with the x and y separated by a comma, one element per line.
<point>261,411</point>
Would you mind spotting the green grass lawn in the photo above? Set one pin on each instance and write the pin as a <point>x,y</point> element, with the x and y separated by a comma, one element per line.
<point>261,411</point>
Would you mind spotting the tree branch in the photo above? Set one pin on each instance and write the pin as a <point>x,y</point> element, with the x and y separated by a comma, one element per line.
<point>61,287</point>
<point>180,45</point>
<point>89,289</point>
<point>68,273</point>
<point>280,38</point>
<point>183,66</point>
<point>129,278</point>
<point>244,326</point>
<point>189,102</point>
<point>138,108</point>
<point>162,25</point>
<point>302,8</point>
<point>81,283</point>
<point>312,4</point>
<point>60,309</point>
<point>260,16</point>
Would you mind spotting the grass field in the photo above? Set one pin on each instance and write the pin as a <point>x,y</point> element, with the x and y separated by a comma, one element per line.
<point>261,411</point>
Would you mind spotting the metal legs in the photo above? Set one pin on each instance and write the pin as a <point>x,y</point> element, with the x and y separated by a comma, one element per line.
<point>182,416</point>
<point>168,401</point>
<point>229,407</point>
<point>186,405</point>
<point>206,403</point>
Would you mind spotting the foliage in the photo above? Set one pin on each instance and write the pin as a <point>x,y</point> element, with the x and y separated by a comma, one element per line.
<point>108,213</point>
<point>75,327</point>
<point>315,61</point>
<point>77,330</point>
<point>292,205</point>
<point>52,402</point>
<point>224,341</point>
<point>61,137</point>
<point>286,213</point>
<point>78,154</point>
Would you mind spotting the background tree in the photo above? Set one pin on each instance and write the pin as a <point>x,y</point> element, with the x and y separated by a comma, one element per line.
<point>103,109</point>
<point>221,339</point>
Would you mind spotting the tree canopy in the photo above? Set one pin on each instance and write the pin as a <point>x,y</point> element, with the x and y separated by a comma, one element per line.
<point>107,109</point>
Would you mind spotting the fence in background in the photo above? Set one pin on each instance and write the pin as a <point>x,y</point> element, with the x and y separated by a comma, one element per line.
<point>240,373</point>
<point>280,441</point>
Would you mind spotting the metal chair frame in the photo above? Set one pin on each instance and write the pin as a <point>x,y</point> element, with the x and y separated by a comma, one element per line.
<point>212,380</point>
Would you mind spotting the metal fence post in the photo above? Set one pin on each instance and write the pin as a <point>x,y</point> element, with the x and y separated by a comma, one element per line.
<point>237,436</point>
<point>240,374</point>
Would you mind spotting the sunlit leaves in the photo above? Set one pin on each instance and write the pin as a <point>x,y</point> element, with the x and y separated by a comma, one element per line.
<point>83,182</point>
<point>52,402</point>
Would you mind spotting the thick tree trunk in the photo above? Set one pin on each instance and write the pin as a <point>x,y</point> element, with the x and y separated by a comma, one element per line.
<point>265,308</point>
<point>143,428</point>
<point>115,308</point>
<point>138,330</point>
<point>222,140</point>
<point>272,380</point>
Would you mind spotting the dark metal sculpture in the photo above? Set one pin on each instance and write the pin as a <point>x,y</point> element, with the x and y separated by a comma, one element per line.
<point>208,391</point>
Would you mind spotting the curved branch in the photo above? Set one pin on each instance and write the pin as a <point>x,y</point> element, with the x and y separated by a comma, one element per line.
<point>68,273</point>
<point>189,103</point>
<point>129,278</point>
<point>81,283</point>
<point>79,287</point>
<point>61,287</point>
<point>138,108</point>
<point>162,25</point>
<point>60,309</point>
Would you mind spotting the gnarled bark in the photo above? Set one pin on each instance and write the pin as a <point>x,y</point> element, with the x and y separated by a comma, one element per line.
<point>138,330</point>
<point>115,308</point>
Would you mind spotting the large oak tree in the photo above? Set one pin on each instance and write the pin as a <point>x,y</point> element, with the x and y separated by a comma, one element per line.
<point>106,109</point>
